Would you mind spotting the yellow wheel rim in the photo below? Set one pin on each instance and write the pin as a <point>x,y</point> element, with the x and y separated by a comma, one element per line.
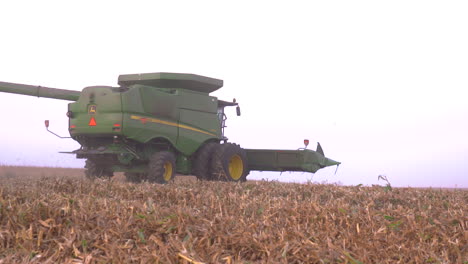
<point>167,171</point>
<point>236,167</point>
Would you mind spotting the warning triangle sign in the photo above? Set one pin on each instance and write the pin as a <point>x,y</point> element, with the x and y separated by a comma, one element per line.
<point>92,121</point>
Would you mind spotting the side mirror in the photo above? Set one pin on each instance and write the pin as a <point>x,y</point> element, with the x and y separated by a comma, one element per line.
<point>238,111</point>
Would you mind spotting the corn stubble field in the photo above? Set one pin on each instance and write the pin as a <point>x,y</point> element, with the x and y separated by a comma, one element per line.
<point>56,216</point>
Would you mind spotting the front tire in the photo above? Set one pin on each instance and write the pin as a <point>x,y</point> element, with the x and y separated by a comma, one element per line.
<point>229,163</point>
<point>202,161</point>
<point>162,167</point>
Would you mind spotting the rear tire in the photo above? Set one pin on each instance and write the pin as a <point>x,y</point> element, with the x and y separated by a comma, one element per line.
<point>135,177</point>
<point>162,167</point>
<point>202,161</point>
<point>229,163</point>
<point>94,170</point>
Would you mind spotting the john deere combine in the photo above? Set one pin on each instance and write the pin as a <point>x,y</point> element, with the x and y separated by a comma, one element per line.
<point>156,124</point>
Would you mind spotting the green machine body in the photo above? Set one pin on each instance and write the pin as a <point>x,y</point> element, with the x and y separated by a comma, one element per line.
<point>154,125</point>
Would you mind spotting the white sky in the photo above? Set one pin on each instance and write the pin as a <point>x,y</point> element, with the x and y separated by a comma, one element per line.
<point>381,84</point>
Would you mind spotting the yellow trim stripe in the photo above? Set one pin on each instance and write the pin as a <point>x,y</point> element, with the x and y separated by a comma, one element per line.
<point>159,121</point>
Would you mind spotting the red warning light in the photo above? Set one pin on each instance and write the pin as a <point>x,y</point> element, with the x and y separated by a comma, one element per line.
<point>92,121</point>
<point>306,142</point>
<point>116,125</point>
<point>72,126</point>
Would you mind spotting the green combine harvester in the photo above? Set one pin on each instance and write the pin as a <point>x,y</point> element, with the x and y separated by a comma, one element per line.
<point>155,125</point>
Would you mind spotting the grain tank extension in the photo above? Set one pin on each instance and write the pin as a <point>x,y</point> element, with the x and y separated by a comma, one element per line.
<point>156,124</point>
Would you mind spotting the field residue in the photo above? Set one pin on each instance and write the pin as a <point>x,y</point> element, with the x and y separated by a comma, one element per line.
<point>60,217</point>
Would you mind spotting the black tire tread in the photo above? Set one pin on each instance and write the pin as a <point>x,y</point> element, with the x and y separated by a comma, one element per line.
<point>94,170</point>
<point>156,166</point>
<point>135,177</point>
<point>202,161</point>
<point>220,162</point>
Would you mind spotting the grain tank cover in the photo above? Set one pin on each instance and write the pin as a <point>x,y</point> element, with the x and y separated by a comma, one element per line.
<point>173,80</point>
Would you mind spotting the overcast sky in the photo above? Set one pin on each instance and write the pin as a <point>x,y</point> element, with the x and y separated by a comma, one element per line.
<point>382,85</point>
